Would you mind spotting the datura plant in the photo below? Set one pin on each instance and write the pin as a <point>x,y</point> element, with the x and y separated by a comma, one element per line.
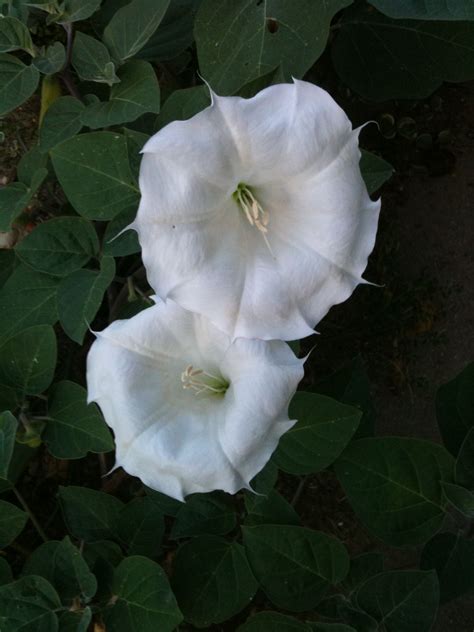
<point>187,189</point>
<point>254,212</point>
<point>191,410</point>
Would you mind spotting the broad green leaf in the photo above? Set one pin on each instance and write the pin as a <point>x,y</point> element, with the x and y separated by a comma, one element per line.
<point>175,32</point>
<point>28,360</point>
<point>212,580</point>
<point>137,93</point>
<point>91,60</point>
<point>21,456</point>
<point>101,160</point>
<point>141,527</point>
<point>452,556</point>
<point>51,60</point>
<point>89,514</point>
<point>142,599</point>
<point>381,58</point>
<point>6,575</point>
<point>132,26</point>
<point>265,480</point>
<point>394,486</point>
<point>339,607</point>
<point>375,170</point>
<point>239,41</point>
<point>294,566</point>
<point>75,621</point>
<point>204,514</point>
<point>59,246</point>
<point>32,163</point>
<point>401,601</point>
<point>74,427</point>
<point>61,121</point>
<point>270,509</point>
<point>27,298</point>
<point>426,9</point>
<point>331,627</point>
<point>17,82</point>
<point>455,409</point>
<point>273,622</point>
<point>460,498</point>
<point>8,428</point>
<point>117,243</point>
<point>75,10</point>
<point>183,104</point>
<point>16,196</point>
<point>465,462</point>
<point>167,505</point>
<point>351,385</point>
<point>362,568</point>
<point>12,522</point>
<point>80,296</point>
<point>103,556</point>
<point>63,566</point>
<point>7,265</point>
<point>14,35</point>
<point>29,605</point>
<point>323,430</point>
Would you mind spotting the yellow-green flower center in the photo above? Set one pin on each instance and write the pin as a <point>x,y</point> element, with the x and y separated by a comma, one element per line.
<point>200,381</point>
<point>254,212</point>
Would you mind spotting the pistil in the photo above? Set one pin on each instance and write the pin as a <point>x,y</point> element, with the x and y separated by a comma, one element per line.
<point>200,381</point>
<point>254,212</point>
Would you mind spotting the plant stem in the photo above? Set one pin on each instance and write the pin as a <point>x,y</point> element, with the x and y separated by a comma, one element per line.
<point>33,519</point>
<point>299,491</point>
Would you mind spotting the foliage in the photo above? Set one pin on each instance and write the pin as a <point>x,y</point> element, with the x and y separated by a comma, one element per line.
<point>111,74</point>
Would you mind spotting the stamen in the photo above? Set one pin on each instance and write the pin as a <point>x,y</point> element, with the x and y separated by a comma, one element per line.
<point>254,212</point>
<point>200,381</point>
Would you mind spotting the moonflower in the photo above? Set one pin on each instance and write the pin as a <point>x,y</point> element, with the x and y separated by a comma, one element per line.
<point>254,212</point>
<point>192,410</point>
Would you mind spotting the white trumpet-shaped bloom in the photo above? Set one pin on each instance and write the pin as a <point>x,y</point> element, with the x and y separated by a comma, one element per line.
<point>192,410</point>
<point>254,212</point>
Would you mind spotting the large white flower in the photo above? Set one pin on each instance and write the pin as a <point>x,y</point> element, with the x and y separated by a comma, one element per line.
<point>254,212</point>
<point>191,410</point>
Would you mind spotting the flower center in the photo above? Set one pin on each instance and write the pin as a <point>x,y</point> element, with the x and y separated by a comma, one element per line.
<point>254,212</point>
<point>200,381</point>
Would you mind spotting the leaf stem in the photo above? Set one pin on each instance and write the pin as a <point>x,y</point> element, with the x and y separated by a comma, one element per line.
<point>33,519</point>
<point>299,491</point>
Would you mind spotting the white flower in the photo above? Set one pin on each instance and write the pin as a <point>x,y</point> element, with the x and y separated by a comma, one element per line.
<point>254,212</point>
<point>192,411</point>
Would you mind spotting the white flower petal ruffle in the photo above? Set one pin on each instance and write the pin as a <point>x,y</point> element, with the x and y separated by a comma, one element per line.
<point>295,147</point>
<point>175,441</point>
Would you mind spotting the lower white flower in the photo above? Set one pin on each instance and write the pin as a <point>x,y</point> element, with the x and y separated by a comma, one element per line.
<point>192,410</point>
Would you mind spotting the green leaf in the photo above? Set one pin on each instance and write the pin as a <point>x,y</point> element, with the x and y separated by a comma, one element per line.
<point>265,480</point>
<point>294,566</point>
<point>101,160</point>
<point>61,121</point>
<point>132,26</point>
<point>117,243</point>
<point>17,82</point>
<point>91,60</point>
<point>32,165</point>
<point>212,580</point>
<point>426,9</point>
<point>8,428</point>
<point>15,197</point>
<point>14,35</point>
<point>142,599</point>
<point>63,566</point>
<point>375,170</point>
<point>183,104</point>
<point>331,627</point>
<point>137,93</point>
<point>167,505</point>
<point>240,41</point>
<point>75,10</point>
<point>174,34</point>
<point>29,605</point>
<point>269,509</point>
<point>452,556</point>
<point>59,246</point>
<point>51,60</point>
<point>80,296</point>
<point>383,59</point>
<point>27,298</point>
<point>89,514</point>
<point>362,567</point>
<point>12,523</point>
<point>7,265</point>
<point>322,432</point>
<point>460,498</point>
<point>74,427</point>
<point>455,409</point>
<point>141,527</point>
<point>28,360</point>
<point>465,462</point>
<point>401,601</point>
<point>394,486</point>
<point>6,575</point>
<point>102,557</point>
<point>273,622</point>
<point>77,621</point>
<point>204,514</point>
